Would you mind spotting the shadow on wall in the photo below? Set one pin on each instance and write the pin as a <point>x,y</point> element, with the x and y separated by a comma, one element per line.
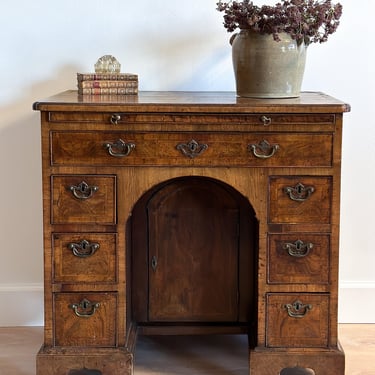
<point>191,61</point>
<point>20,188</point>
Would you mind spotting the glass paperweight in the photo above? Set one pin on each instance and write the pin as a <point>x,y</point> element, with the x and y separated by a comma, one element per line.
<point>107,64</point>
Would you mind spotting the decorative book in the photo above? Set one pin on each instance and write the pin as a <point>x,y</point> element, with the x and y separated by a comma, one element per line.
<point>107,83</point>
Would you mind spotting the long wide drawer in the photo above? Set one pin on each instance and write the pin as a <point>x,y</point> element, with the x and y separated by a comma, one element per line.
<point>85,319</point>
<point>84,257</point>
<point>190,148</point>
<point>297,320</point>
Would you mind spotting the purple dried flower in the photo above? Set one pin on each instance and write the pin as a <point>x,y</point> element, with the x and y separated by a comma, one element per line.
<point>308,21</point>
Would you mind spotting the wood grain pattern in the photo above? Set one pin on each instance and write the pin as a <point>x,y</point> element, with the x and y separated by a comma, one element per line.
<point>198,102</point>
<point>311,209</point>
<point>218,234</point>
<point>308,328</point>
<point>96,327</point>
<point>311,268</point>
<point>98,208</point>
<point>101,266</point>
<point>160,148</point>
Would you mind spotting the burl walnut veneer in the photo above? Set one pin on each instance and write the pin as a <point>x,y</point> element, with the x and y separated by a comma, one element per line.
<point>191,213</point>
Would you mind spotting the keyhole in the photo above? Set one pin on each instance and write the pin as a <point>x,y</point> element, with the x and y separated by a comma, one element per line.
<point>154,263</point>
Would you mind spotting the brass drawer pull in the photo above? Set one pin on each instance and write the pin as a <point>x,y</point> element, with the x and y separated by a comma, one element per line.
<point>192,148</point>
<point>266,120</point>
<point>298,249</point>
<point>83,190</point>
<point>300,192</point>
<point>115,118</point>
<point>297,309</point>
<point>263,150</point>
<point>119,149</point>
<point>85,308</point>
<point>83,249</point>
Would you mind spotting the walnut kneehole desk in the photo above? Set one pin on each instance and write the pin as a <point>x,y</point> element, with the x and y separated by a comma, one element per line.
<point>191,213</point>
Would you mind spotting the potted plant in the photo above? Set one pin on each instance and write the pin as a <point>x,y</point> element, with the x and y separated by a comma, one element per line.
<point>269,53</point>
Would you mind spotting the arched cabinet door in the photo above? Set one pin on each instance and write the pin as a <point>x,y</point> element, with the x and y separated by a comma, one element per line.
<point>193,253</point>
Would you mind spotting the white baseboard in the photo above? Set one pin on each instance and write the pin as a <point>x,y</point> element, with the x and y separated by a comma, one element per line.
<point>356,302</point>
<point>22,304</point>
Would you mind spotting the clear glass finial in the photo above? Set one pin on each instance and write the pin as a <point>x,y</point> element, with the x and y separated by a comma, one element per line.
<point>107,64</point>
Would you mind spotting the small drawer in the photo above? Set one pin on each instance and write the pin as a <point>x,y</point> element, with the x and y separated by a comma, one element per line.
<point>85,319</point>
<point>298,258</point>
<point>84,257</point>
<point>300,200</point>
<point>191,148</point>
<point>297,320</point>
<point>83,199</point>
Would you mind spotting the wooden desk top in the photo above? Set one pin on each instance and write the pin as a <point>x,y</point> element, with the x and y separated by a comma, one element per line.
<point>181,101</point>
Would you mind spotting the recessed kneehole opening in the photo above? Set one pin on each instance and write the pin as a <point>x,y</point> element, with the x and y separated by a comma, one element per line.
<point>297,371</point>
<point>194,245</point>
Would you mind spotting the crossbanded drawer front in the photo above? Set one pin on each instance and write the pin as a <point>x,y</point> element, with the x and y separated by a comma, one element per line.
<point>265,119</point>
<point>84,257</point>
<point>83,199</point>
<point>85,319</point>
<point>297,320</point>
<point>298,258</point>
<point>300,199</point>
<point>191,148</point>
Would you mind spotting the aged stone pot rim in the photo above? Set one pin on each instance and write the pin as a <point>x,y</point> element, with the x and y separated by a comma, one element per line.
<point>264,34</point>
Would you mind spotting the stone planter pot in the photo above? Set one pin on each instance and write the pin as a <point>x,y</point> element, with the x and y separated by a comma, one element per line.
<point>264,68</point>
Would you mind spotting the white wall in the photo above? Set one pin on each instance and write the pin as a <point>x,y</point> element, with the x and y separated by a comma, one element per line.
<point>172,45</point>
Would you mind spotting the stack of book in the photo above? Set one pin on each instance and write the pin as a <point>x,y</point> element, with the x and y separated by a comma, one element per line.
<point>107,83</point>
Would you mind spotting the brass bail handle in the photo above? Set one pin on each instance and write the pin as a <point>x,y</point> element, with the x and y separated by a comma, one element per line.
<point>297,309</point>
<point>263,150</point>
<point>299,192</point>
<point>298,249</point>
<point>83,249</point>
<point>83,190</point>
<point>119,148</point>
<point>85,308</point>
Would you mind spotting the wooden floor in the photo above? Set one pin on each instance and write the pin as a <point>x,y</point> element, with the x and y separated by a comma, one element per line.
<point>208,355</point>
